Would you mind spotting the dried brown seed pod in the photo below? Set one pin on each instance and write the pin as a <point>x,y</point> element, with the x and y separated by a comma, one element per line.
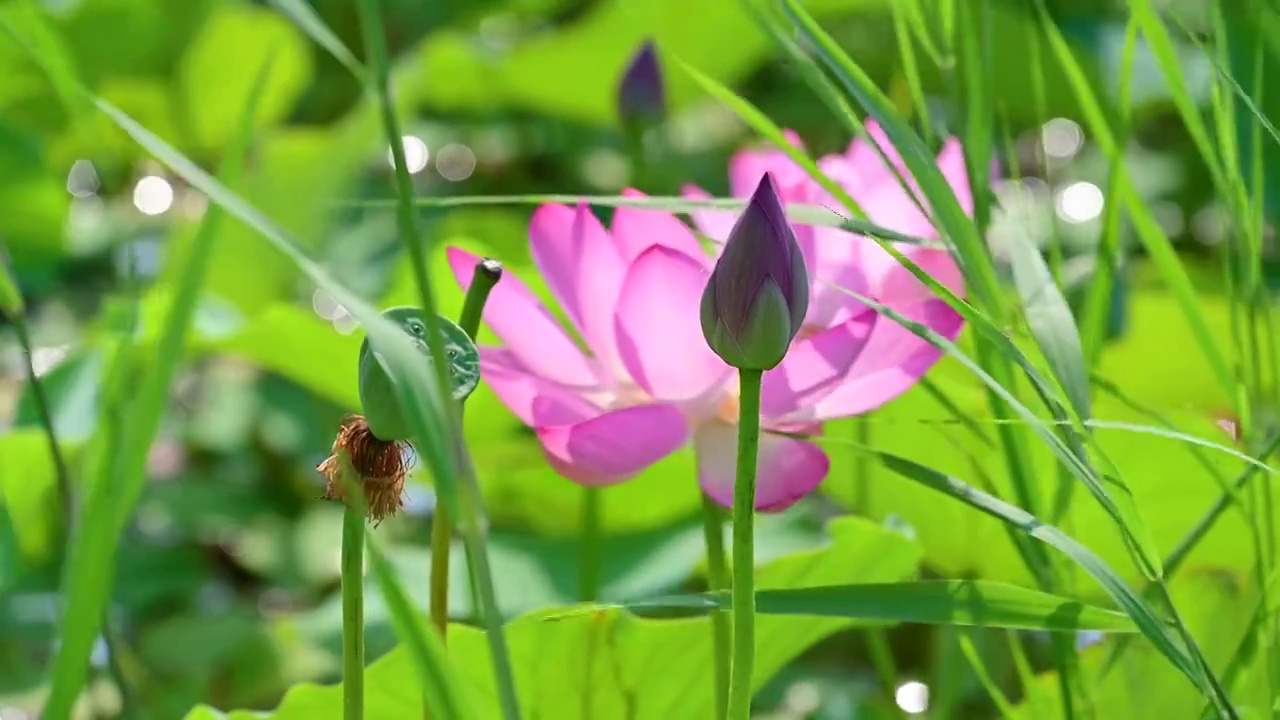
<point>377,466</point>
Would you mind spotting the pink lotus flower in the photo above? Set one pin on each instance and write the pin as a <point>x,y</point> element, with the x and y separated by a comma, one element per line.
<point>649,384</point>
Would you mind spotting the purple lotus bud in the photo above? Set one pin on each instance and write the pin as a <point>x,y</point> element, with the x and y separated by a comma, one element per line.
<point>758,293</point>
<point>641,95</point>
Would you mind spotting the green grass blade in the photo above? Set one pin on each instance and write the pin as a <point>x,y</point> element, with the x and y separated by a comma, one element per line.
<point>470,521</point>
<point>974,260</point>
<point>827,91</point>
<point>111,500</point>
<point>966,603</point>
<point>1143,615</point>
<point>949,216</point>
<point>1202,458</point>
<point>1181,437</point>
<point>798,212</point>
<point>988,683</point>
<point>1157,244</point>
<point>1166,56</point>
<point>1102,286</point>
<point>910,65</point>
<point>1206,522</point>
<point>310,22</point>
<point>821,84</point>
<point>759,122</point>
<point>1120,505</point>
<point>1051,322</point>
<point>946,602</point>
<point>920,29</point>
<point>973,28</point>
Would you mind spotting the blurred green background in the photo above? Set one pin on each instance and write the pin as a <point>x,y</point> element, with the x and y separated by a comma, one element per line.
<point>226,586</point>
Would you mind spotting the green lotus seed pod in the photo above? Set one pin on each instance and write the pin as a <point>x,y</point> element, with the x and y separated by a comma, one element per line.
<point>377,392</point>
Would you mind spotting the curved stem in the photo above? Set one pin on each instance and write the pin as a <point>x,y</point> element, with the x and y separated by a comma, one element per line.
<point>744,498</point>
<point>717,580</point>
<point>352,614</point>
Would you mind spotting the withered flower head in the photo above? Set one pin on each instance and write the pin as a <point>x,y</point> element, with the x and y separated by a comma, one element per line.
<point>377,466</point>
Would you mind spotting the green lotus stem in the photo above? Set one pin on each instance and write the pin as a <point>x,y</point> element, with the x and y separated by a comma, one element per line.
<point>486,275</point>
<point>352,611</point>
<point>592,555</point>
<point>717,580</point>
<point>744,499</point>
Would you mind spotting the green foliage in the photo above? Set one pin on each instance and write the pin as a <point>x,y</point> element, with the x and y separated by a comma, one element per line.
<point>604,661</point>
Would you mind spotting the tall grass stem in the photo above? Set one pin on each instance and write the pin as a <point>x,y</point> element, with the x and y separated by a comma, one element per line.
<point>472,521</point>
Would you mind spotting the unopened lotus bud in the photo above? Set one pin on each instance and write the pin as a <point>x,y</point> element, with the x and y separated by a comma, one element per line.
<point>758,294</point>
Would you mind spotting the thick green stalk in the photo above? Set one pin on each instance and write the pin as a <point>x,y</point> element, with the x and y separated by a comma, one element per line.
<point>744,594</point>
<point>591,558</point>
<point>717,580</point>
<point>352,613</point>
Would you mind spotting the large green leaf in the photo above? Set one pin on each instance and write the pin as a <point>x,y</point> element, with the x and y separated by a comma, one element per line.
<point>630,666</point>
<point>212,78</point>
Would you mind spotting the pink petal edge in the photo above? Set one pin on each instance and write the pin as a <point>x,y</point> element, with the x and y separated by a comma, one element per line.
<point>614,446</point>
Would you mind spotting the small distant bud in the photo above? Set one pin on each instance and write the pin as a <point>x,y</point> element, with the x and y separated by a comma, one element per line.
<point>758,293</point>
<point>375,466</point>
<point>642,98</point>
